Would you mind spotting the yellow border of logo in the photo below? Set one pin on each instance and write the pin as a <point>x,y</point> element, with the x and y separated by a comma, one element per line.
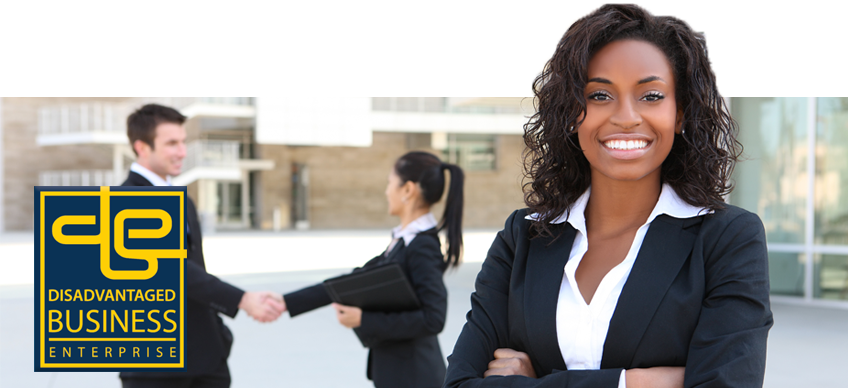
<point>105,191</point>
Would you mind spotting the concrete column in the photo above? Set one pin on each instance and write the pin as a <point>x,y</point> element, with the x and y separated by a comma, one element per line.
<point>120,167</point>
<point>245,198</point>
<point>117,164</point>
<point>207,203</point>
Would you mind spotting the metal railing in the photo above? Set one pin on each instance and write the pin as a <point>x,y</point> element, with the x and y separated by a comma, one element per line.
<point>211,153</point>
<point>79,118</point>
<point>112,117</point>
<point>78,178</point>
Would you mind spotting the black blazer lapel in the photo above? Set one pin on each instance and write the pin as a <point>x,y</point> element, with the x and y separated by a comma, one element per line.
<point>401,245</point>
<point>664,251</point>
<point>545,267</point>
<point>390,256</point>
<point>135,179</point>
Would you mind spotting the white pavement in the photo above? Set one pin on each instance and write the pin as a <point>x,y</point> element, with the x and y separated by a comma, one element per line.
<point>252,252</point>
<point>808,346</point>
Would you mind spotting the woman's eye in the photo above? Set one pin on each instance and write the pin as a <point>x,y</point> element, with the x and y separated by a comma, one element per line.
<point>653,96</point>
<point>600,96</point>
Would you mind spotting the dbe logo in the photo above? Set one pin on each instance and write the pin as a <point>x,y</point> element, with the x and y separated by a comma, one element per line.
<point>108,295</point>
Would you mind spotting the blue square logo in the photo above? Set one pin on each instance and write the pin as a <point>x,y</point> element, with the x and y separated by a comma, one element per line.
<point>109,278</point>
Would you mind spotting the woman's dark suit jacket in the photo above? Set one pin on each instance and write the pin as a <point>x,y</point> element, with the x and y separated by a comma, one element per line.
<point>698,296</point>
<point>404,349</point>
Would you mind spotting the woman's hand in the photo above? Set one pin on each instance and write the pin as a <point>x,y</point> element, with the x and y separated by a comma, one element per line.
<point>656,377</point>
<point>510,362</point>
<point>349,316</point>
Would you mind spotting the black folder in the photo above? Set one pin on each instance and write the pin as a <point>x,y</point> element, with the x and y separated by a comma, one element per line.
<point>379,288</point>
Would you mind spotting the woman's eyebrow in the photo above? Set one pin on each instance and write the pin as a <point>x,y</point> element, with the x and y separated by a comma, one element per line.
<point>650,79</point>
<point>641,81</point>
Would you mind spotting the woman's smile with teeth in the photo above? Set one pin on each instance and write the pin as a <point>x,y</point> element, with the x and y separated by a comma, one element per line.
<point>625,144</point>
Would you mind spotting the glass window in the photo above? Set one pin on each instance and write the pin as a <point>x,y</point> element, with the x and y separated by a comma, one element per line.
<point>831,198</point>
<point>831,277</point>
<point>471,152</point>
<point>786,273</point>
<point>229,203</point>
<point>771,178</point>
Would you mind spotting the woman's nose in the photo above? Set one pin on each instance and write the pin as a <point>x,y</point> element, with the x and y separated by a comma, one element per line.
<point>625,115</point>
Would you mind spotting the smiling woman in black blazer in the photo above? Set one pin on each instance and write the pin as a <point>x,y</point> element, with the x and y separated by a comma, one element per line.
<point>404,348</point>
<point>627,269</point>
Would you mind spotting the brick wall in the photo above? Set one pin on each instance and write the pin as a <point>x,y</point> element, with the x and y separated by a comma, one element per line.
<point>24,159</point>
<point>346,188</point>
<point>347,184</point>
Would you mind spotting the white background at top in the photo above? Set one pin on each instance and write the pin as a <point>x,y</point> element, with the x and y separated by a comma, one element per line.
<point>382,48</point>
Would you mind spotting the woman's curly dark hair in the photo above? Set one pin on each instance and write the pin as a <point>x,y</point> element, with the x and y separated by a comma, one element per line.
<point>700,162</point>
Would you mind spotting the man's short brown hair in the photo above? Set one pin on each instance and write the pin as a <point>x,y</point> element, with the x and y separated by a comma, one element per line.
<point>141,124</point>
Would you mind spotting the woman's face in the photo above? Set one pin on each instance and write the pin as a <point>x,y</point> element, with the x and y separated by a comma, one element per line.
<point>394,194</point>
<point>631,114</point>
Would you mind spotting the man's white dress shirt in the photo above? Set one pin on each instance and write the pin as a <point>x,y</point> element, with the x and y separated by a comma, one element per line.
<point>151,176</point>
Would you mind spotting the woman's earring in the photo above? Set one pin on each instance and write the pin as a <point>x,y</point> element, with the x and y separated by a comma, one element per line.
<point>570,129</point>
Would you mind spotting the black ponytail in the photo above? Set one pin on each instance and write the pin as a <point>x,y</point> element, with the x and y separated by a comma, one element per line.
<point>452,218</point>
<point>428,172</point>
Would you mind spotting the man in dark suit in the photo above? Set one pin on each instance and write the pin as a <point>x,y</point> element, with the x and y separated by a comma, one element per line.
<point>157,136</point>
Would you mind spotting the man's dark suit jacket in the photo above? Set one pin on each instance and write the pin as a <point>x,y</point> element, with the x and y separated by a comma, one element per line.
<point>208,341</point>
<point>404,349</point>
<point>698,296</point>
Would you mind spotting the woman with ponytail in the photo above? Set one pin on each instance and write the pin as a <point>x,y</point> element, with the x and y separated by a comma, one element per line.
<point>404,348</point>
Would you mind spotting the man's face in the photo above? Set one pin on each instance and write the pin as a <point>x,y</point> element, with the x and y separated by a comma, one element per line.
<point>169,150</point>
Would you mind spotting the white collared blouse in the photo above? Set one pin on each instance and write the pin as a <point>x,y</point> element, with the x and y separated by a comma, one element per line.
<point>420,224</point>
<point>581,327</point>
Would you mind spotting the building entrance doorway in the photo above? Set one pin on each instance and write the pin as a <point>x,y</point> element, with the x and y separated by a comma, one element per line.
<point>229,200</point>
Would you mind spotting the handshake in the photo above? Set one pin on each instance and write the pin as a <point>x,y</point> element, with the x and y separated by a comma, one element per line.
<point>263,306</point>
